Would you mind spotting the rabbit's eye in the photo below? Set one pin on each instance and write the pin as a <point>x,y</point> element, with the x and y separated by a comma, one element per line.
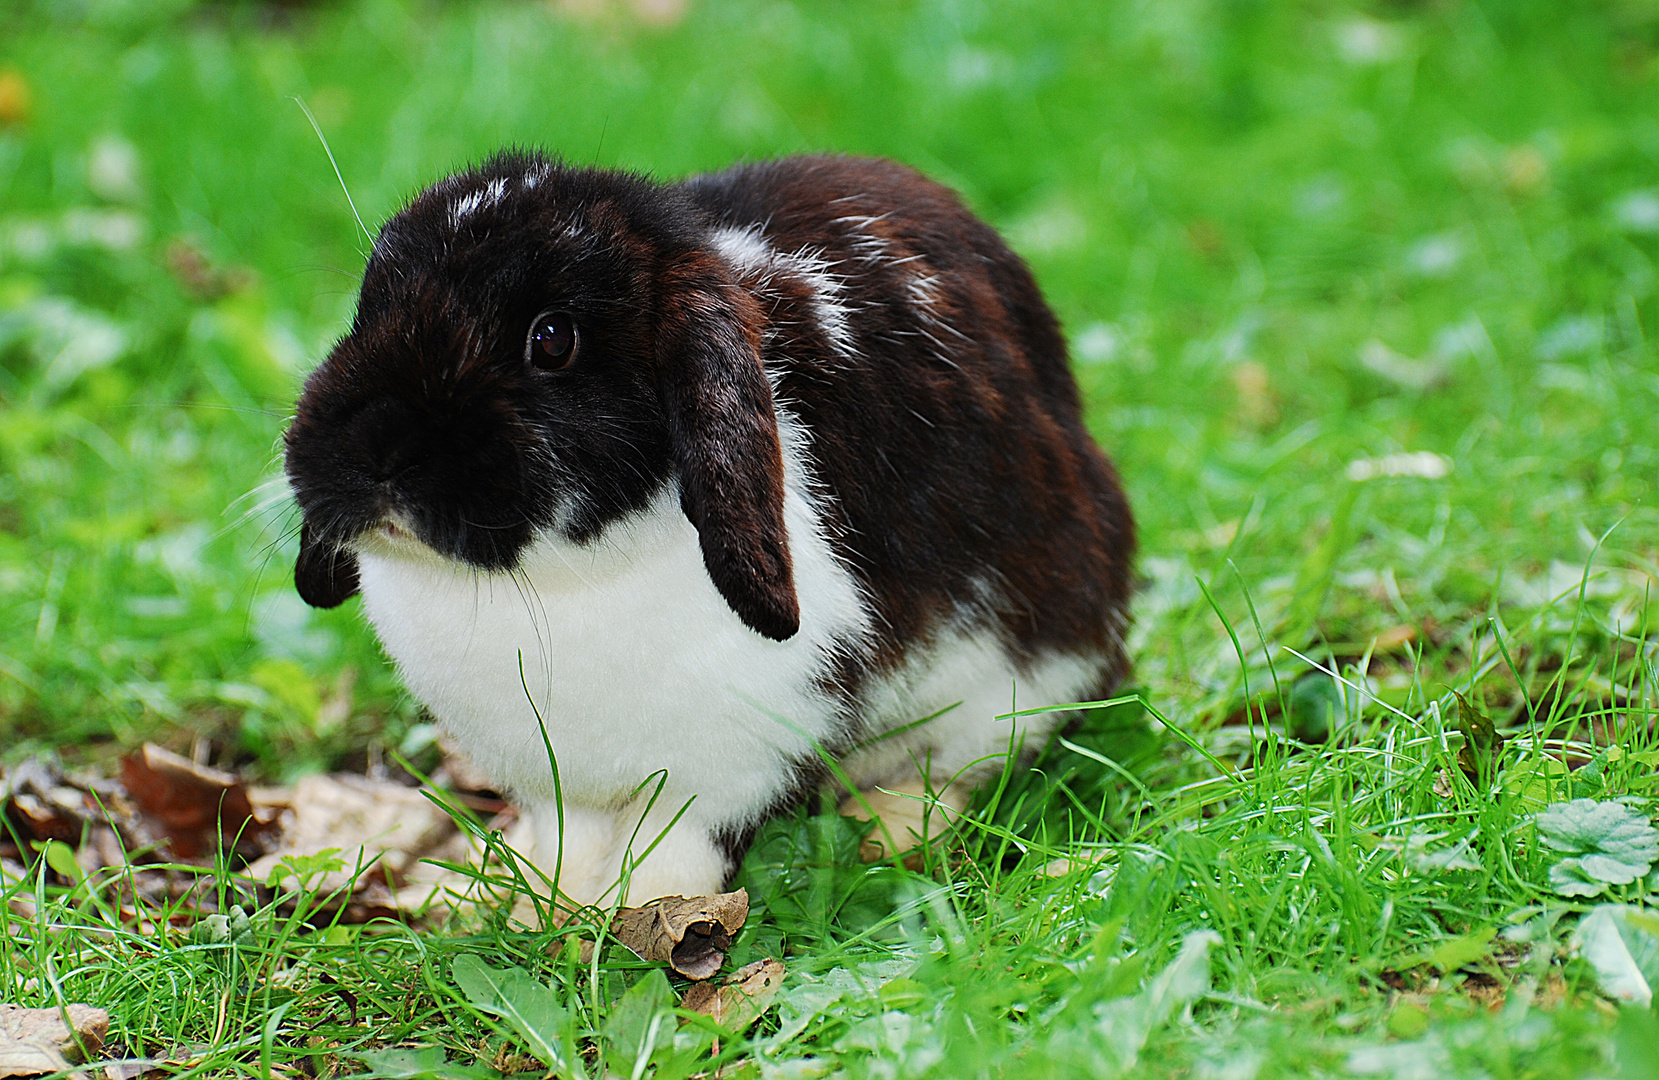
<point>552,342</point>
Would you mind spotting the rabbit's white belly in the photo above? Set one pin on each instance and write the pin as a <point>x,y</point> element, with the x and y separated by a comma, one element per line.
<point>632,656</point>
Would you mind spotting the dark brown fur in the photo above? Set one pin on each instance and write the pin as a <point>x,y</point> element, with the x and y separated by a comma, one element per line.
<point>956,453</point>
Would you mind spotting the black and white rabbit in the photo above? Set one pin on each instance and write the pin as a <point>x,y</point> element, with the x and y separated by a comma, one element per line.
<point>745,470</point>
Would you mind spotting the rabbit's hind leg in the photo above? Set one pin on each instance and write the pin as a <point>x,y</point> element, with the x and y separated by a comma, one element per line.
<point>909,812</point>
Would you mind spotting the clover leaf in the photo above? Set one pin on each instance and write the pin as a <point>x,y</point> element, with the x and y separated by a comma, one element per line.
<point>1606,843</point>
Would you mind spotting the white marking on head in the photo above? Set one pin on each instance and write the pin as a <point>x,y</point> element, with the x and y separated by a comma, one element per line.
<point>477,200</point>
<point>463,206</point>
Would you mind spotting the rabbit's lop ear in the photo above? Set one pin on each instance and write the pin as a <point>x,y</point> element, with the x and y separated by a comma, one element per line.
<point>325,575</point>
<point>725,439</point>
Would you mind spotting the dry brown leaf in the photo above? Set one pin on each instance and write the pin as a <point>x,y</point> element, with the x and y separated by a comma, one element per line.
<point>364,820</point>
<point>195,805</point>
<point>149,1068</point>
<point>690,933</point>
<point>740,999</point>
<point>910,813</point>
<point>34,1042</point>
<point>45,805</point>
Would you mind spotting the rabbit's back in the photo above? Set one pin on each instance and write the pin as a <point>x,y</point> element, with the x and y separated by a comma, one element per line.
<point>930,378</point>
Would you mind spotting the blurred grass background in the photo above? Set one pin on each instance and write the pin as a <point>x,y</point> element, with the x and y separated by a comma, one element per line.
<point>1285,238</point>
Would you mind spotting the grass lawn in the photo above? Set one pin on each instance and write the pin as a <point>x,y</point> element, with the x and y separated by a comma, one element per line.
<point>1360,297</point>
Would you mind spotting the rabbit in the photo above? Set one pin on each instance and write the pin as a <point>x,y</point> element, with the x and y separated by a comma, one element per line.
<point>715,494</point>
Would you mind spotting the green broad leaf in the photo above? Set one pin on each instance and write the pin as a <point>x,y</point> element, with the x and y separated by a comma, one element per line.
<point>1536,781</point>
<point>417,1063</point>
<point>1621,944</point>
<point>1315,707</point>
<point>640,1024</point>
<point>903,993</point>
<point>305,869</point>
<point>531,1010</point>
<point>1569,878</point>
<point>61,858</point>
<point>234,928</point>
<point>1606,843</point>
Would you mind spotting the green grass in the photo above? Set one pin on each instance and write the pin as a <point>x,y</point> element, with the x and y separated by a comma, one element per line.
<point>1284,237</point>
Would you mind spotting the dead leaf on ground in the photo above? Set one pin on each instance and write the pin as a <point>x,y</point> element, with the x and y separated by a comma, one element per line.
<point>1396,637</point>
<point>150,1068</point>
<point>690,933</point>
<point>365,821</point>
<point>34,1042</point>
<point>740,999</point>
<point>1482,750</point>
<point>198,807</point>
<point>44,804</point>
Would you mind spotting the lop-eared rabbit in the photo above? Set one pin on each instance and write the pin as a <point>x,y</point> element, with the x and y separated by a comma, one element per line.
<point>726,479</point>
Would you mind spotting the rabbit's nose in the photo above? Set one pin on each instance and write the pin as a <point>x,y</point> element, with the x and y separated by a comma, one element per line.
<point>387,435</point>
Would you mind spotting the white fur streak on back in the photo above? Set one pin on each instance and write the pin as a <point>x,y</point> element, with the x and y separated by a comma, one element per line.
<point>749,253</point>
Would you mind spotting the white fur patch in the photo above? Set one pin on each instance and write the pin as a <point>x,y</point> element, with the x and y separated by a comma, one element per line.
<point>473,201</point>
<point>749,253</point>
<point>968,674</point>
<point>868,247</point>
<point>637,665</point>
<point>463,206</point>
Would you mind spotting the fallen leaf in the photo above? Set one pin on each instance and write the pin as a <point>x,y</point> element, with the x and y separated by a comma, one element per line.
<point>1395,637</point>
<point>417,1063</point>
<point>691,934</point>
<point>34,1042</point>
<point>458,772</point>
<point>1258,404</point>
<point>149,1068</point>
<point>198,807</point>
<point>204,279</point>
<point>1482,745</point>
<point>131,1069</point>
<point>740,999</point>
<point>361,821</point>
<point>44,804</point>
<point>1405,371</point>
<point>1451,953</point>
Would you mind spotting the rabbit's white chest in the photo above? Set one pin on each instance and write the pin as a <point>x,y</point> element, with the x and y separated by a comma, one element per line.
<point>632,657</point>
